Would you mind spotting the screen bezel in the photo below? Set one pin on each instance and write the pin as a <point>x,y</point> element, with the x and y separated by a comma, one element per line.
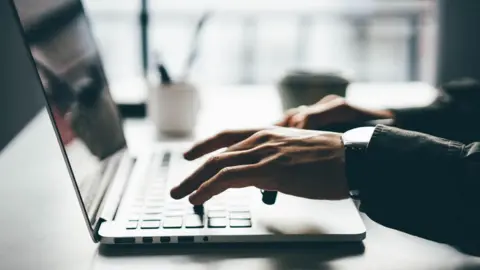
<point>92,227</point>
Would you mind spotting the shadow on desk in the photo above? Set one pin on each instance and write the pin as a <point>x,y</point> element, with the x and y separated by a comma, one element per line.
<point>283,255</point>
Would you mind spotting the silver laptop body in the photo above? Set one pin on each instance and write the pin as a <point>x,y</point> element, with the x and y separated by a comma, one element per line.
<point>125,199</point>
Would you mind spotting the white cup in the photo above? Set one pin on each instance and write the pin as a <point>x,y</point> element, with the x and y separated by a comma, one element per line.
<point>174,108</point>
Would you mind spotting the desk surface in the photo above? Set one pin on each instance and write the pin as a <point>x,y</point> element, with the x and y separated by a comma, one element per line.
<point>42,227</point>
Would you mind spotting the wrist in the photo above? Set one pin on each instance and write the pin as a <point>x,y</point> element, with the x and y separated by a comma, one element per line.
<point>355,143</point>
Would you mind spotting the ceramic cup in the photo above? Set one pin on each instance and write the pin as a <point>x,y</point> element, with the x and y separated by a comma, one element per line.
<point>174,108</point>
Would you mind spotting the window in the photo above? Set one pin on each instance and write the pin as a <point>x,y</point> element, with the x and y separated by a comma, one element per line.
<point>255,42</point>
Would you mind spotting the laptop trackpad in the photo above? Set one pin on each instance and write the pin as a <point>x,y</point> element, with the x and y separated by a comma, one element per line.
<point>298,216</point>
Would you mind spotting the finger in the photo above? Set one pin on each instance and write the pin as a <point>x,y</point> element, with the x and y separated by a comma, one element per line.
<point>283,122</point>
<point>216,142</point>
<point>290,113</point>
<point>297,119</point>
<point>211,168</point>
<point>249,143</point>
<point>301,125</point>
<point>231,177</point>
<point>286,118</point>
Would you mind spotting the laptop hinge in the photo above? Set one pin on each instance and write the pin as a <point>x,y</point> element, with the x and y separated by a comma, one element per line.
<point>96,235</point>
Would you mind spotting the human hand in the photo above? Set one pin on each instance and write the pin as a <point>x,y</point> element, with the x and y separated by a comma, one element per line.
<point>330,110</point>
<point>298,162</point>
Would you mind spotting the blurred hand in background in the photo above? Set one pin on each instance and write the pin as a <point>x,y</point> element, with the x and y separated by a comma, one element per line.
<point>330,110</point>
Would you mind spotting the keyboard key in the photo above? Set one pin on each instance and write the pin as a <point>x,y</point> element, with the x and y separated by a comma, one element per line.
<point>132,225</point>
<point>135,210</point>
<point>239,208</point>
<point>153,210</point>
<point>240,215</point>
<point>240,223</point>
<point>158,183</point>
<point>178,203</point>
<point>155,199</point>
<point>166,160</point>
<point>161,173</point>
<point>161,177</point>
<point>217,214</point>
<point>138,198</point>
<point>136,204</point>
<point>156,190</point>
<point>134,216</point>
<point>155,194</point>
<point>175,206</point>
<point>154,205</point>
<point>194,221</point>
<point>217,222</point>
<point>216,208</point>
<point>140,194</point>
<point>155,202</point>
<point>152,217</point>
<point>174,213</point>
<point>172,223</point>
<point>190,210</point>
<point>150,224</point>
<point>217,201</point>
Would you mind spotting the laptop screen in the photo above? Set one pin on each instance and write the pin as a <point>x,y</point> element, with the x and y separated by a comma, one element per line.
<point>84,114</point>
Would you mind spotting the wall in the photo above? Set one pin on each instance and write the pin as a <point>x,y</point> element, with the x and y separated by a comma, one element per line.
<point>459,39</point>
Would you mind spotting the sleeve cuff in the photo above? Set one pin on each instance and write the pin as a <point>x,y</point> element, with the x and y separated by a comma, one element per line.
<point>394,154</point>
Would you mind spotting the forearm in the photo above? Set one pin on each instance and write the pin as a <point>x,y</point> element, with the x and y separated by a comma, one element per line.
<point>453,115</point>
<point>420,184</point>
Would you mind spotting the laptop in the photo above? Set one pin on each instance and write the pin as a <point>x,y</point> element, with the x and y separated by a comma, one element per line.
<point>124,198</point>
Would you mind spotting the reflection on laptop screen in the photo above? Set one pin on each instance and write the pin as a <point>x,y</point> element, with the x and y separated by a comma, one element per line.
<point>73,78</point>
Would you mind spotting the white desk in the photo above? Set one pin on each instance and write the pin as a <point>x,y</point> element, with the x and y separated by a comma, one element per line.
<point>41,226</point>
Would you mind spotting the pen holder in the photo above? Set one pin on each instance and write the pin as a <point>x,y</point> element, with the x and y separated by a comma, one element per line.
<point>174,108</point>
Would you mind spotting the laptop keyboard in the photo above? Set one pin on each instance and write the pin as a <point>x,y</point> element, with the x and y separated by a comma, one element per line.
<point>153,208</point>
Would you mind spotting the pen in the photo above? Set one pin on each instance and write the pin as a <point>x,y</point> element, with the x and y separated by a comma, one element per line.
<point>162,71</point>
<point>165,78</point>
<point>194,45</point>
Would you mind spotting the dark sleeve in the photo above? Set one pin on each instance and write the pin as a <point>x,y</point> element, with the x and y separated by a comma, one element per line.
<point>423,185</point>
<point>453,115</point>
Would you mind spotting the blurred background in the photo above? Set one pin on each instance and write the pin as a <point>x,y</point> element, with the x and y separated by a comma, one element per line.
<point>256,42</point>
